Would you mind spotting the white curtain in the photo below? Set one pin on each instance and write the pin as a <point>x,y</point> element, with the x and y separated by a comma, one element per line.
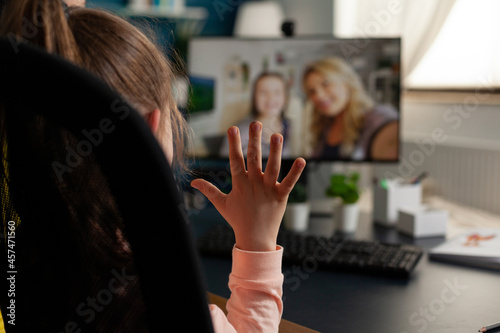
<point>422,23</point>
<point>465,53</point>
<point>417,22</point>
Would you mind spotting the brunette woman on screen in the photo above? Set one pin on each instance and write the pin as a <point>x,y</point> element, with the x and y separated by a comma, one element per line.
<point>346,124</point>
<point>268,105</point>
<point>123,57</point>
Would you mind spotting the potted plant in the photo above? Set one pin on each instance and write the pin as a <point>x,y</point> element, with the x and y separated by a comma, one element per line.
<point>347,210</point>
<point>296,216</point>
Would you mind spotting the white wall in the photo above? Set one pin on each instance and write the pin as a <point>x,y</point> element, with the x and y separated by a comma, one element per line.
<point>462,122</point>
<point>458,143</point>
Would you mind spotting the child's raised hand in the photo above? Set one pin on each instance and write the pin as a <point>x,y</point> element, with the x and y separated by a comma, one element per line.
<point>256,204</point>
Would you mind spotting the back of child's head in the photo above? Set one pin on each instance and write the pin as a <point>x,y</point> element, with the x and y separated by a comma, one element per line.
<point>109,47</point>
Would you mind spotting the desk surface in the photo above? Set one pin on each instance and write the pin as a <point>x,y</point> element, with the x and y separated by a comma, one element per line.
<point>439,297</point>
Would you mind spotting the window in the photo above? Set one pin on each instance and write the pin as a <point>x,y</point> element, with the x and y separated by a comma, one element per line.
<point>466,52</point>
<point>447,44</point>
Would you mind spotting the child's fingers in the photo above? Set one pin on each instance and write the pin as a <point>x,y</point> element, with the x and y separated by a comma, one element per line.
<point>293,176</point>
<point>254,151</point>
<point>216,197</point>
<point>236,160</point>
<point>274,160</point>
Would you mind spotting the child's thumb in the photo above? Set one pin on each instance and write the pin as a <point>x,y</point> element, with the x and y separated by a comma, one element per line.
<point>209,190</point>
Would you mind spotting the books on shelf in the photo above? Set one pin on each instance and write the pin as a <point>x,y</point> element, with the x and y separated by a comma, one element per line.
<point>480,248</point>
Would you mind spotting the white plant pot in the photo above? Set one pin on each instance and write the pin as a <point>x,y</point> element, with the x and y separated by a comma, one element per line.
<point>296,216</point>
<point>346,217</point>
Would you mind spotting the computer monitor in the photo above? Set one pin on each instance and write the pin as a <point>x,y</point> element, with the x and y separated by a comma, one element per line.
<point>332,99</point>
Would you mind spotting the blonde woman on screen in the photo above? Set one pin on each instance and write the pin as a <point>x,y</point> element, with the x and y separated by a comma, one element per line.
<point>346,124</point>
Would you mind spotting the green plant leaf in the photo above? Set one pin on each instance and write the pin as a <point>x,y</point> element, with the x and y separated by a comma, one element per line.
<point>344,187</point>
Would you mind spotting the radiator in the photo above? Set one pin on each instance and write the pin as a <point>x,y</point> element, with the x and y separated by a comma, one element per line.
<point>466,175</point>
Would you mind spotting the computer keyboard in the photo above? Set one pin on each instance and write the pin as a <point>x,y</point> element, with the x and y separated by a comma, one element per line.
<point>334,253</point>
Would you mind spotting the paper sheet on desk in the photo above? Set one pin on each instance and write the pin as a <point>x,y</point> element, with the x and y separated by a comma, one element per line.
<point>478,247</point>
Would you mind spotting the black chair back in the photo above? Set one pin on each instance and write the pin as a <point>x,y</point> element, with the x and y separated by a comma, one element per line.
<point>101,243</point>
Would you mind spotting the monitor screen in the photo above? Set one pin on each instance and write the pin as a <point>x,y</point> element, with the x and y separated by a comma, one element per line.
<point>331,99</point>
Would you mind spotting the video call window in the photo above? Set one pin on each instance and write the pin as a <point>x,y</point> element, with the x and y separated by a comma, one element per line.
<point>331,99</point>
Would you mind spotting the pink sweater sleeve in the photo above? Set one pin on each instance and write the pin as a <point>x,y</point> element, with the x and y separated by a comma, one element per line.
<point>256,284</point>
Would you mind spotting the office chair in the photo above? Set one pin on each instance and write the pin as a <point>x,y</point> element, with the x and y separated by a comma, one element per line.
<point>101,243</point>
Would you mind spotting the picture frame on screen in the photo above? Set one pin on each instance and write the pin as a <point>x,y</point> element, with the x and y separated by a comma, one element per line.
<point>332,99</point>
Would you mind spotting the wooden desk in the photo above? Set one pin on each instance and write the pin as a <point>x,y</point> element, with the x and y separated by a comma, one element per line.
<point>285,325</point>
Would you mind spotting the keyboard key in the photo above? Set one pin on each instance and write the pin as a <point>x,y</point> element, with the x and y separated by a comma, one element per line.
<point>334,254</point>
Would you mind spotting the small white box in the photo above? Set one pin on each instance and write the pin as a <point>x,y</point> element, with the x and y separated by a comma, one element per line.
<point>422,221</point>
<point>387,201</point>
